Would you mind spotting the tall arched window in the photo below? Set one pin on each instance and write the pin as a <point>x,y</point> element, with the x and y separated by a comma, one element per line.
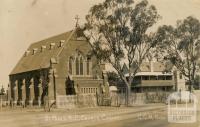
<point>77,66</point>
<point>88,67</point>
<point>70,65</point>
<point>81,66</point>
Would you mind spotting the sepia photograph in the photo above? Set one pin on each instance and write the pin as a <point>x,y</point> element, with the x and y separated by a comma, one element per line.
<point>100,63</point>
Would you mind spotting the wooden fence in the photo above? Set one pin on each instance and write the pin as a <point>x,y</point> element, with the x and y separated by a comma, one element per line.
<point>73,101</point>
<point>139,98</point>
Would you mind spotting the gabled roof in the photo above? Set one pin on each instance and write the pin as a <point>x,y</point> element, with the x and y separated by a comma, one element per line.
<point>156,66</point>
<point>41,59</point>
<point>125,69</point>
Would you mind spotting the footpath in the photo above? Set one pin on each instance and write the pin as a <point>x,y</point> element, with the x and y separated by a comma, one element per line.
<point>33,117</point>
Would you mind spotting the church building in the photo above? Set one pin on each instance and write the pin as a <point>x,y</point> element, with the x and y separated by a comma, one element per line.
<point>59,65</point>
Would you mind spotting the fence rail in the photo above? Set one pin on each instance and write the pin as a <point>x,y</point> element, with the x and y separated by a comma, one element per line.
<point>139,98</point>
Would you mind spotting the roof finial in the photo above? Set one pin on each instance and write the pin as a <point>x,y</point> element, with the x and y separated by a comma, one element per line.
<point>77,19</point>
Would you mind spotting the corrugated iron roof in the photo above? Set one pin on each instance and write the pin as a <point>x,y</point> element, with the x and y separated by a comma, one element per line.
<point>154,66</point>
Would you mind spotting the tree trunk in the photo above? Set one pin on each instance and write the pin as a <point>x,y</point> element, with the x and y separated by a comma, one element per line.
<point>128,93</point>
<point>128,89</point>
<point>191,81</point>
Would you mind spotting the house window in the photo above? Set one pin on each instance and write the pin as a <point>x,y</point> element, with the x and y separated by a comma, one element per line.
<point>145,77</point>
<point>153,78</point>
<point>81,66</point>
<point>77,66</point>
<point>161,78</point>
<point>168,77</point>
<point>70,65</point>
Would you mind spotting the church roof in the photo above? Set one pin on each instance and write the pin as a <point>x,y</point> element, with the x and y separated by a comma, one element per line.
<point>39,54</point>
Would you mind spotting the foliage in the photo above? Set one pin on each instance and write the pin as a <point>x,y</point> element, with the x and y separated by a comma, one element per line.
<point>181,45</point>
<point>2,92</point>
<point>113,77</point>
<point>117,30</point>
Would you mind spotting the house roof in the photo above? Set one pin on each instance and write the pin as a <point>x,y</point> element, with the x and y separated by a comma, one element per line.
<point>153,67</point>
<point>42,53</point>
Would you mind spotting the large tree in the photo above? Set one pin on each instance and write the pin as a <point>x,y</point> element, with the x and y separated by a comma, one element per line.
<point>181,45</point>
<point>2,91</point>
<point>117,30</point>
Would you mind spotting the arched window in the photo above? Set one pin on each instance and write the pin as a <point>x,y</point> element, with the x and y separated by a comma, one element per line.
<point>88,67</point>
<point>70,65</point>
<point>81,66</point>
<point>77,66</point>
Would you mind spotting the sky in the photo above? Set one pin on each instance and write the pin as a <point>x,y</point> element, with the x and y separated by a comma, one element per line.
<point>23,22</point>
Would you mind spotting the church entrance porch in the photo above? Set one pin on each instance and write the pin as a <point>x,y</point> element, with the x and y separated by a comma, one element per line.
<point>69,87</point>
